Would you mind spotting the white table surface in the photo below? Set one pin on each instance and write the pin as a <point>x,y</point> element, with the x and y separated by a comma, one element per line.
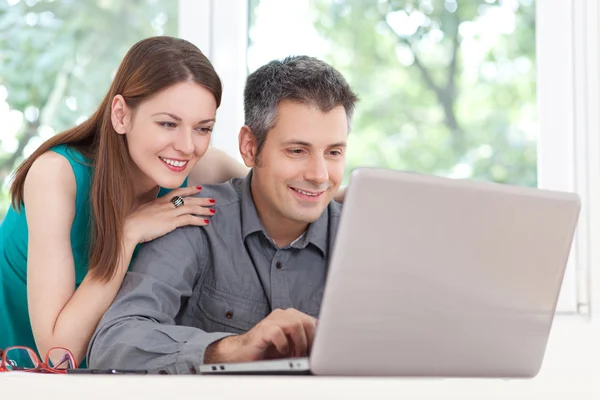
<point>571,371</point>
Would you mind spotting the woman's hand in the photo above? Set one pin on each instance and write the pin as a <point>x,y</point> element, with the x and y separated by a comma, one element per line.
<point>159,217</point>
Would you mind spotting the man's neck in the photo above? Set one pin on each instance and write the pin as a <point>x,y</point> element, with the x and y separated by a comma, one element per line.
<point>281,230</point>
<point>282,233</point>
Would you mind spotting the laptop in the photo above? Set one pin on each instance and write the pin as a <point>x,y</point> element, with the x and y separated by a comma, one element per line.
<point>437,277</point>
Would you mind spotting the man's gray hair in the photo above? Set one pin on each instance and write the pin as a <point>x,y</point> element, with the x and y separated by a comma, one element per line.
<point>304,79</point>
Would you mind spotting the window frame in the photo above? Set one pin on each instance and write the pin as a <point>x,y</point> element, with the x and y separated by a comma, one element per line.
<point>219,28</point>
<point>568,145</point>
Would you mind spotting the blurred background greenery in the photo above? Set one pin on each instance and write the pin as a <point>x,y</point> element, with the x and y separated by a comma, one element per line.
<point>446,87</point>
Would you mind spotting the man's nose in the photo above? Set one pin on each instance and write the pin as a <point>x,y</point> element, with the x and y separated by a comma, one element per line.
<point>317,171</point>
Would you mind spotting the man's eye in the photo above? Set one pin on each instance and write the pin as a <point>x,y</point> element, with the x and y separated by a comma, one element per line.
<point>296,151</point>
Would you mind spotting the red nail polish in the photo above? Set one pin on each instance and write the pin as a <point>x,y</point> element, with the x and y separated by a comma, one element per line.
<point>212,201</point>
<point>206,221</point>
<point>212,210</point>
<point>199,187</point>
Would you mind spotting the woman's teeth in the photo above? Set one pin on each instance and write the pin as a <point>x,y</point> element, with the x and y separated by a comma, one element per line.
<point>174,163</point>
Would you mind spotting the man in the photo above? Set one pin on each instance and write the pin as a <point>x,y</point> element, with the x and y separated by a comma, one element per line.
<point>248,286</point>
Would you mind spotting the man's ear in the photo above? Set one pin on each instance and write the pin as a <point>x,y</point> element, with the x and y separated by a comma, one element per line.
<point>119,114</point>
<point>247,143</point>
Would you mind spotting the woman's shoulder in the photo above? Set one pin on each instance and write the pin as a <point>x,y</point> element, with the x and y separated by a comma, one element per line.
<point>64,156</point>
<point>50,168</point>
<point>72,154</point>
<point>65,168</point>
<point>50,162</point>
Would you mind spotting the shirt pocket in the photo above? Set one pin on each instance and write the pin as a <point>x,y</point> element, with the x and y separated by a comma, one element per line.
<point>221,311</point>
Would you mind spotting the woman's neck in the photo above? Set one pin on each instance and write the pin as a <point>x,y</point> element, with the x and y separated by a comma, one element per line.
<point>146,196</point>
<point>144,188</point>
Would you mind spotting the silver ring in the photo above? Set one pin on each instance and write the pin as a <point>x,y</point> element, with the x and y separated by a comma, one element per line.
<point>177,201</point>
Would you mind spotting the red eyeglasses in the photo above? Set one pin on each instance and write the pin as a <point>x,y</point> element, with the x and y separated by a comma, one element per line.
<point>20,358</point>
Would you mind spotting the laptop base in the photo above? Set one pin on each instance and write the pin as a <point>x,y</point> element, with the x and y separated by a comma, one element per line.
<point>288,366</point>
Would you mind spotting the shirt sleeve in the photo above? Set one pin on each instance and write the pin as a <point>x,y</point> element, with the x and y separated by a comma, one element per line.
<point>138,331</point>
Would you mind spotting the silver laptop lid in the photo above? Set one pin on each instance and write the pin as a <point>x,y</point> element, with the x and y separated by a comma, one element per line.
<point>438,277</point>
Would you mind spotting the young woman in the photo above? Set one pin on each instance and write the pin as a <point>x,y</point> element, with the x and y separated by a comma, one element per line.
<point>87,197</point>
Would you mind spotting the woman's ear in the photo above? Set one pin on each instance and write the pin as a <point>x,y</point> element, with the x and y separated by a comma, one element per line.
<point>247,144</point>
<point>118,114</point>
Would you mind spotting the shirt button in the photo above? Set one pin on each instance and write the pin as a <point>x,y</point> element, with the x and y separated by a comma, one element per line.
<point>229,315</point>
<point>279,265</point>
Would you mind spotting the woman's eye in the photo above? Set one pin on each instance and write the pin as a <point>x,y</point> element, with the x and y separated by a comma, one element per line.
<point>168,124</point>
<point>204,129</point>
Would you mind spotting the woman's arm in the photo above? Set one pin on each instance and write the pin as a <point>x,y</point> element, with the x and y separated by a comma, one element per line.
<point>60,315</point>
<point>216,167</point>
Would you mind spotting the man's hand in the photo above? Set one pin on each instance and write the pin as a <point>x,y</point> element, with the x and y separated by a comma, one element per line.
<point>283,333</point>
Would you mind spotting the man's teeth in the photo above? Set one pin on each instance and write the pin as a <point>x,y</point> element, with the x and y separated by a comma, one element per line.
<point>305,193</point>
<point>173,162</point>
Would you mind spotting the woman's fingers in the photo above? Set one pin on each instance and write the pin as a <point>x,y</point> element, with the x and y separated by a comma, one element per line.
<point>183,192</point>
<point>188,219</point>
<point>193,209</point>
<point>199,201</point>
<point>186,194</point>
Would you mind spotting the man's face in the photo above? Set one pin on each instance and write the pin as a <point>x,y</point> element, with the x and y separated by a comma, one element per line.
<point>301,165</point>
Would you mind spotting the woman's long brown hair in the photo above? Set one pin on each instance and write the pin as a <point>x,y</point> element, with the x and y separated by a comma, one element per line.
<point>149,67</point>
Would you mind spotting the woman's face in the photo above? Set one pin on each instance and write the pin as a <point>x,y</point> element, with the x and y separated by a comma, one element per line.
<point>168,133</point>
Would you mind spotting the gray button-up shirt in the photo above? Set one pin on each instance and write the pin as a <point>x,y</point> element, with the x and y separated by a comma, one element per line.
<point>197,285</point>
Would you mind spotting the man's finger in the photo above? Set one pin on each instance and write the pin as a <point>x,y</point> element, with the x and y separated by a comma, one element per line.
<point>278,339</point>
<point>310,325</point>
<point>298,337</point>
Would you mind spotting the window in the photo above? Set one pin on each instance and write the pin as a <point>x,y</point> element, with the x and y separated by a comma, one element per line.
<point>482,89</point>
<point>499,125</point>
<point>446,87</point>
<point>57,59</point>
